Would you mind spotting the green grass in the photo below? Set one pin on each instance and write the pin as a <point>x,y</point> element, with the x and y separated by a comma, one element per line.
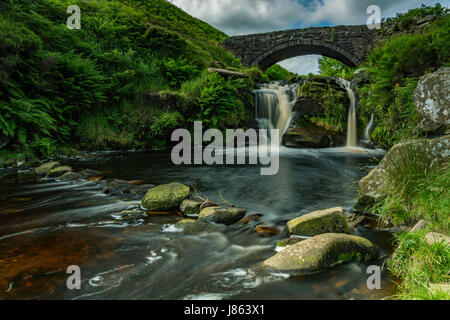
<point>419,264</point>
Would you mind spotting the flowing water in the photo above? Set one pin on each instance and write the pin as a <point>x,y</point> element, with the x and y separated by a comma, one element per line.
<point>352,134</point>
<point>368,128</point>
<point>46,226</point>
<point>274,104</point>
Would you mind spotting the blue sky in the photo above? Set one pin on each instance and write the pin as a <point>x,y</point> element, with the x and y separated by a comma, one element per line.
<point>236,17</point>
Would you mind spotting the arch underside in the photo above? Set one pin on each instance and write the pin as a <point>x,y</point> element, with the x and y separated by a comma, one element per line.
<point>290,50</point>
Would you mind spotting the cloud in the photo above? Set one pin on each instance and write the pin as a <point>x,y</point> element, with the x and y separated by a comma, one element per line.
<point>301,65</point>
<point>236,17</point>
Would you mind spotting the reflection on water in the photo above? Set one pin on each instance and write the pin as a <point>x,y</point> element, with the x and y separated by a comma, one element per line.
<point>46,226</point>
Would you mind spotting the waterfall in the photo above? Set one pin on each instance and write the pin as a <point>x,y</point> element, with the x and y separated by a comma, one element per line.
<point>352,120</point>
<point>368,128</point>
<point>274,104</point>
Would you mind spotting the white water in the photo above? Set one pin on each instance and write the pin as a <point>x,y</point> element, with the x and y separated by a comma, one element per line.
<point>274,105</point>
<point>368,128</point>
<point>352,120</point>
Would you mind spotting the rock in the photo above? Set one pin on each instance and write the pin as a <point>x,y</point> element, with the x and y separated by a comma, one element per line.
<point>191,226</point>
<point>130,215</point>
<point>419,226</point>
<point>311,136</point>
<point>88,173</point>
<point>432,97</point>
<point>320,253</point>
<point>434,238</point>
<point>165,197</point>
<point>318,222</point>
<point>70,176</point>
<point>267,231</point>
<point>190,207</point>
<point>227,73</point>
<point>249,219</point>
<point>289,241</point>
<point>58,171</point>
<point>227,215</point>
<point>373,187</point>
<point>46,167</point>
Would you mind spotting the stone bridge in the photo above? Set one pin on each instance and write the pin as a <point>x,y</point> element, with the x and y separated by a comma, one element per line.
<point>348,44</point>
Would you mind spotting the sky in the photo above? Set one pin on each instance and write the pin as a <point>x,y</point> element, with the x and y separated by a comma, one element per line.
<point>237,17</point>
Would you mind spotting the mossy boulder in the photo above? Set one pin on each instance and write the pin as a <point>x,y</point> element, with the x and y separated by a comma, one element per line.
<point>318,222</point>
<point>226,216</point>
<point>190,207</point>
<point>59,171</point>
<point>289,241</point>
<point>320,253</point>
<point>191,226</point>
<point>165,197</point>
<point>70,176</point>
<point>46,167</point>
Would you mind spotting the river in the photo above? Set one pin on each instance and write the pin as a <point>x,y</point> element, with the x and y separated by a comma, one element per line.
<point>46,225</point>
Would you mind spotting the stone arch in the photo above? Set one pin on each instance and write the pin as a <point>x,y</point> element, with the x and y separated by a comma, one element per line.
<point>299,47</point>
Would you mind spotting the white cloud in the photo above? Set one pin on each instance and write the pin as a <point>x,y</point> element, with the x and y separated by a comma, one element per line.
<point>301,65</point>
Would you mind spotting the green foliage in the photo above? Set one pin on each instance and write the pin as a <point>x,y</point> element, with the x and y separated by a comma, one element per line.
<point>419,264</point>
<point>275,73</point>
<point>394,70</point>
<point>166,122</point>
<point>329,67</point>
<point>178,71</point>
<point>419,13</point>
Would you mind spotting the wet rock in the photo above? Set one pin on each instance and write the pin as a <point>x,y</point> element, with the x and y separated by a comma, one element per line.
<point>88,173</point>
<point>165,197</point>
<point>227,215</point>
<point>191,226</point>
<point>69,176</point>
<point>46,167</point>
<point>58,171</point>
<point>432,99</point>
<point>421,225</point>
<point>190,207</point>
<point>318,222</point>
<point>320,253</point>
<point>434,238</point>
<point>289,241</point>
<point>249,219</point>
<point>267,231</point>
<point>311,136</point>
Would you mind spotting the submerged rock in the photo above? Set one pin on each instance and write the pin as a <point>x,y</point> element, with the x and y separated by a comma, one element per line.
<point>432,99</point>
<point>46,167</point>
<point>190,207</point>
<point>227,216</point>
<point>318,222</point>
<point>320,253</point>
<point>59,171</point>
<point>191,226</point>
<point>267,231</point>
<point>70,176</point>
<point>250,219</point>
<point>165,197</point>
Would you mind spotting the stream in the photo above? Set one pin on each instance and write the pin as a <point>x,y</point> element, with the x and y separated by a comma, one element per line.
<point>46,226</point>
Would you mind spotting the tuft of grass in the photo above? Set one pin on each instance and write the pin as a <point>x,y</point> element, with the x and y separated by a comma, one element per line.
<point>419,264</point>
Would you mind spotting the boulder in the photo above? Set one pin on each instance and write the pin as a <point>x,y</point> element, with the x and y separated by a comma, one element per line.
<point>165,197</point>
<point>434,238</point>
<point>373,187</point>
<point>190,207</point>
<point>289,241</point>
<point>46,167</point>
<point>307,135</point>
<point>58,171</point>
<point>226,216</point>
<point>318,222</point>
<point>89,173</point>
<point>320,253</point>
<point>432,99</point>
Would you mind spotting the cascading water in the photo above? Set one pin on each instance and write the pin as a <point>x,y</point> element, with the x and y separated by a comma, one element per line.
<point>274,104</point>
<point>368,128</point>
<point>352,120</point>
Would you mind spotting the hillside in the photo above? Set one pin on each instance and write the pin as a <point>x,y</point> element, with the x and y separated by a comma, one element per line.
<point>100,87</point>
